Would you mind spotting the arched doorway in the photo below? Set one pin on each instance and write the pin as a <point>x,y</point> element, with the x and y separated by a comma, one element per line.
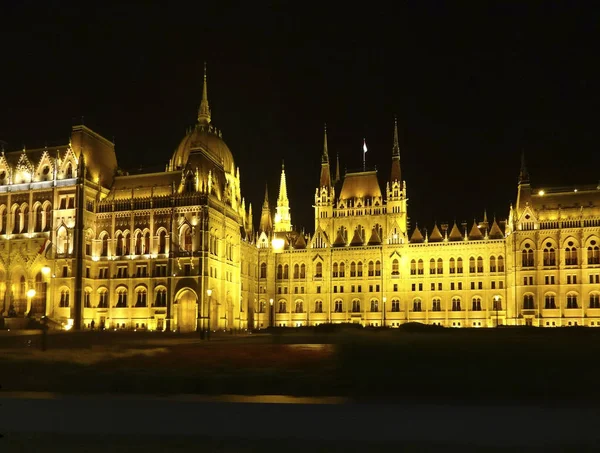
<point>187,310</point>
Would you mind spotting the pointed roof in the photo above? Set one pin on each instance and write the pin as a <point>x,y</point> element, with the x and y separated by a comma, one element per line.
<point>204,110</point>
<point>436,235</point>
<point>282,185</point>
<point>266,220</point>
<point>300,242</point>
<point>325,180</point>
<point>339,240</point>
<point>356,239</point>
<point>417,236</point>
<point>395,174</point>
<point>375,239</point>
<point>495,231</point>
<point>524,174</point>
<point>337,168</point>
<point>475,232</point>
<point>455,234</point>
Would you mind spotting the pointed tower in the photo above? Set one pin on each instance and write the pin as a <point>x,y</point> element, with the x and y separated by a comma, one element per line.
<point>325,193</point>
<point>524,188</point>
<point>283,220</point>
<point>266,222</point>
<point>337,169</point>
<point>396,189</point>
<point>204,110</point>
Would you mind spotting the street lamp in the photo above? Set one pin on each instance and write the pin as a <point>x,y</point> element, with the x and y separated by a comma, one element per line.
<point>30,295</point>
<point>46,270</point>
<point>384,301</point>
<point>209,294</point>
<point>496,299</point>
<point>272,314</point>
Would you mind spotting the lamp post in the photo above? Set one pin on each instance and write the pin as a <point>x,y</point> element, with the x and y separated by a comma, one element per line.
<point>209,294</point>
<point>272,314</point>
<point>384,301</point>
<point>496,298</point>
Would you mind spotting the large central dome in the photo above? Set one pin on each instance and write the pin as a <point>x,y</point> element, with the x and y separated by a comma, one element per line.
<point>204,142</point>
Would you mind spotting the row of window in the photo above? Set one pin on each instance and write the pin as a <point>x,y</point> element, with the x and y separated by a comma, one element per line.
<point>457,286</point>
<point>549,255</point>
<point>455,266</point>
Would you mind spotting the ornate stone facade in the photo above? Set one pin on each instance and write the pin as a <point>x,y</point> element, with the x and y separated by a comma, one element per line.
<point>82,243</point>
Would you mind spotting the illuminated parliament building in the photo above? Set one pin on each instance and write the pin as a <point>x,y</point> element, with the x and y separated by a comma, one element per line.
<point>85,244</point>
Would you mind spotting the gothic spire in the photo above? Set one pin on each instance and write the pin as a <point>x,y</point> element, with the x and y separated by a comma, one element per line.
<point>204,111</point>
<point>337,168</point>
<point>283,221</point>
<point>396,174</point>
<point>266,221</point>
<point>325,180</point>
<point>524,174</point>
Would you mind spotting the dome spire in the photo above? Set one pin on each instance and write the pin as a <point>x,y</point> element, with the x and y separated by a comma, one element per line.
<point>204,111</point>
<point>396,173</point>
<point>325,180</point>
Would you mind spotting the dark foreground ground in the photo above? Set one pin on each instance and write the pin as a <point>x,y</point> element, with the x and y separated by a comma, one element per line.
<point>464,366</point>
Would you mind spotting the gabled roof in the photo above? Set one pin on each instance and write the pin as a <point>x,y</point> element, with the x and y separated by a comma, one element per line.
<point>358,185</point>
<point>475,232</point>
<point>375,239</point>
<point>417,236</point>
<point>356,239</point>
<point>495,231</point>
<point>435,235</point>
<point>455,234</point>
<point>300,242</point>
<point>339,240</point>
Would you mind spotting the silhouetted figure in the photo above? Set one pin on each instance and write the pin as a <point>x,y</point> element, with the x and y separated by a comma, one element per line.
<point>92,324</point>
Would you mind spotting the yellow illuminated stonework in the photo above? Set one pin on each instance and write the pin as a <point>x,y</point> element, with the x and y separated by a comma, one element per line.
<point>84,244</point>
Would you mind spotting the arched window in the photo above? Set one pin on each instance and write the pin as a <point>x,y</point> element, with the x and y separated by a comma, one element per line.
<point>186,239</point>
<point>319,270</point>
<point>595,300</point>
<point>190,183</point>
<point>371,269</point>
<point>479,264</point>
<point>593,253</point>
<point>413,267</point>
<point>263,270</point>
<point>16,220</point>
<point>396,266</point>
<point>2,219</point>
<point>302,271</point>
<point>570,254</point>
<point>342,269</point>
<point>356,306</point>
<point>440,266</point>
<point>286,271</point>
<point>299,308</point>
<point>25,228</point>
<point>377,268</point>
<point>549,302</point>
<point>47,217</point>
<point>549,255</point>
<point>436,305</point>
<point>87,298</point>
<point>395,305</point>
<point>104,240</point>
<point>417,305</point>
<point>359,269</point>
<point>420,267</point>
<point>146,244</point>
<point>492,264</point>
<point>452,266</point>
<point>161,298</point>
<point>432,266</point>
<point>472,265</point>
<point>62,245</point>
<point>64,298</point>
<point>141,297</point>
<point>476,304</point>
<point>528,302</point>
<point>500,263</point>
<point>282,306</point>
<point>319,306</point>
<point>138,243</point>
<point>126,243</point>
<point>37,214</point>
<point>162,242</point>
<point>335,270</point>
<point>459,266</point>
<point>279,272</point>
<point>102,298</point>
<point>456,304</point>
<point>69,171</point>
<point>352,269</point>
<point>374,305</point>
<point>527,256</point>
<point>121,297</point>
<point>262,306</point>
<point>338,306</point>
<point>119,243</point>
<point>497,304</point>
<point>297,270</point>
<point>572,300</point>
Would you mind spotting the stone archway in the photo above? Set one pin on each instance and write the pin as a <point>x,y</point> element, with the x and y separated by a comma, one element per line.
<point>187,310</point>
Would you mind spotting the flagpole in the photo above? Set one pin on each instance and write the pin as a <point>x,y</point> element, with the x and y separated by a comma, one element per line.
<point>364,154</point>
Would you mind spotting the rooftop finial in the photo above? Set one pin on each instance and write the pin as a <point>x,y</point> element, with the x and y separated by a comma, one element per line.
<point>204,111</point>
<point>396,148</point>
<point>325,157</point>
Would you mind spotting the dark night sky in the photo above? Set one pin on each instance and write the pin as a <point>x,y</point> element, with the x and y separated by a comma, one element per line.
<point>472,88</point>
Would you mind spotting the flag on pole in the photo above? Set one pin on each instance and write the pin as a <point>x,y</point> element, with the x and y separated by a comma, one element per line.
<point>364,145</point>
<point>44,247</point>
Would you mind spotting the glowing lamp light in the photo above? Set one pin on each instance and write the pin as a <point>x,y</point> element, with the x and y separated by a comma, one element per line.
<point>31,293</point>
<point>68,325</point>
<point>541,193</point>
<point>278,243</point>
<point>209,292</point>
<point>46,270</point>
<point>271,302</point>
